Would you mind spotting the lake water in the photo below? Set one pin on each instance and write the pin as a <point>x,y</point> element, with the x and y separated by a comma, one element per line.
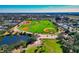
<point>14,39</point>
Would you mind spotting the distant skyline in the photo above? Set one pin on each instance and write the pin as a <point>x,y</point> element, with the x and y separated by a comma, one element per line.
<point>38,8</point>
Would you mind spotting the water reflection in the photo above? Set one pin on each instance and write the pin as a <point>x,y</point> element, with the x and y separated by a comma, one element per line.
<point>12,39</point>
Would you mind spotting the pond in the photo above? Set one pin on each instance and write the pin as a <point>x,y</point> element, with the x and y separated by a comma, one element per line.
<point>12,39</point>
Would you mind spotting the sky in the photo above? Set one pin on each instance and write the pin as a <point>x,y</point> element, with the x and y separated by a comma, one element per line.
<point>38,8</point>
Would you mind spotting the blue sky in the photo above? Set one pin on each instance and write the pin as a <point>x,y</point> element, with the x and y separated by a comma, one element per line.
<point>38,8</point>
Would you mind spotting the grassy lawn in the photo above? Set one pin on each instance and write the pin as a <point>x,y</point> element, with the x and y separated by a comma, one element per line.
<point>49,46</point>
<point>38,26</point>
<point>31,49</point>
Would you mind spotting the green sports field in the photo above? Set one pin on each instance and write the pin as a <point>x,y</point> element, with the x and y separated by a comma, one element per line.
<point>39,26</point>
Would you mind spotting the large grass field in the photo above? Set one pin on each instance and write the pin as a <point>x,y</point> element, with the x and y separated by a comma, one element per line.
<point>49,46</point>
<point>39,26</point>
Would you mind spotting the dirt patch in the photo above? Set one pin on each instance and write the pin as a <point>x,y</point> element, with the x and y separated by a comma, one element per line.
<point>46,30</point>
<point>25,29</point>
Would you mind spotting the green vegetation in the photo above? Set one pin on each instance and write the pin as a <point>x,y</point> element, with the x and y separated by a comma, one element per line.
<point>2,32</point>
<point>1,37</point>
<point>31,49</point>
<point>51,46</point>
<point>38,26</point>
<point>48,46</point>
